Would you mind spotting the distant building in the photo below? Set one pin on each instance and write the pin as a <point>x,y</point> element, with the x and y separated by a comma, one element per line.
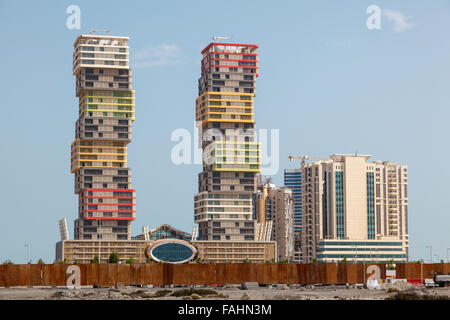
<point>167,244</point>
<point>83,251</point>
<point>264,230</point>
<point>165,231</point>
<point>63,231</point>
<point>236,251</point>
<point>355,209</point>
<point>163,250</point>
<point>275,204</point>
<point>298,254</point>
<point>380,251</point>
<point>293,180</point>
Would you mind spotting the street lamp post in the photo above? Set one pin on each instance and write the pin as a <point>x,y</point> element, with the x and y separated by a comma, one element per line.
<point>421,271</point>
<point>28,246</point>
<point>356,253</point>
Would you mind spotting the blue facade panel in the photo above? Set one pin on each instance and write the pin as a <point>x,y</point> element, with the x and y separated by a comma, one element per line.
<point>293,180</point>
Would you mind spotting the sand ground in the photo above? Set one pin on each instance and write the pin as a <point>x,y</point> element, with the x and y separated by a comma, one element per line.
<point>228,292</point>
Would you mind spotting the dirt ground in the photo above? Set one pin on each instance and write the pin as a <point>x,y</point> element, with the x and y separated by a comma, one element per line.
<point>228,292</point>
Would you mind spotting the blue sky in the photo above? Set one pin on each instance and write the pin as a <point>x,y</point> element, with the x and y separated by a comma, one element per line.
<point>326,82</point>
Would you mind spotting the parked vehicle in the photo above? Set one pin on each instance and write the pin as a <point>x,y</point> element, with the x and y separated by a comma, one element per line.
<point>442,280</point>
<point>429,283</point>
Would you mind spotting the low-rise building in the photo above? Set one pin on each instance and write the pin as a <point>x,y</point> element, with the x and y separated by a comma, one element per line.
<point>236,251</point>
<point>170,243</point>
<point>83,251</point>
<point>379,251</point>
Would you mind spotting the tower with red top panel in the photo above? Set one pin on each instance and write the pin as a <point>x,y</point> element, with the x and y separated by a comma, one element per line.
<point>231,156</point>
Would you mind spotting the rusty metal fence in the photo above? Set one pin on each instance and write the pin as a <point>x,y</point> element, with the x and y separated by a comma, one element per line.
<point>418,271</point>
<point>108,275</point>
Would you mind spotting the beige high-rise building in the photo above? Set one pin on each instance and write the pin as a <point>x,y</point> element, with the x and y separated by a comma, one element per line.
<point>275,204</point>
<point>354,209</point>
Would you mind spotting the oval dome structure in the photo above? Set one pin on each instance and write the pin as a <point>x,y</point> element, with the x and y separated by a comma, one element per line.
<point>171,251</point>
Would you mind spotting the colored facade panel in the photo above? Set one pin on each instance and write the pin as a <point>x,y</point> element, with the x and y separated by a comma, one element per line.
<point>340,225</point>
<point>370,206</point>
<point>293,180</point>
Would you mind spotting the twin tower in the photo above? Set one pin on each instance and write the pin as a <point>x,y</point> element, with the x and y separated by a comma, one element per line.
<point>106,202</point>
<point>224,115</point>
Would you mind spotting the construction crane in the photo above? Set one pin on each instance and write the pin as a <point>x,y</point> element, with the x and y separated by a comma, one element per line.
<point>304,158</point>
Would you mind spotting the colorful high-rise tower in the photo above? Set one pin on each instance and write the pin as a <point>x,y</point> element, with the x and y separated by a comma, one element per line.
<point>106,204</point>
<point>231,157</point>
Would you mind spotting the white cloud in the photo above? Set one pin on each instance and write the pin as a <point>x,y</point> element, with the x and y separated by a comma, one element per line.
<point>401,22</point>
<point>156,56</point>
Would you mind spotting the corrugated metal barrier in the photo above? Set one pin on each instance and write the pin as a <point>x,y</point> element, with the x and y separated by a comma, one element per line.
<point>108,275</point>
<point>420,271</point>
